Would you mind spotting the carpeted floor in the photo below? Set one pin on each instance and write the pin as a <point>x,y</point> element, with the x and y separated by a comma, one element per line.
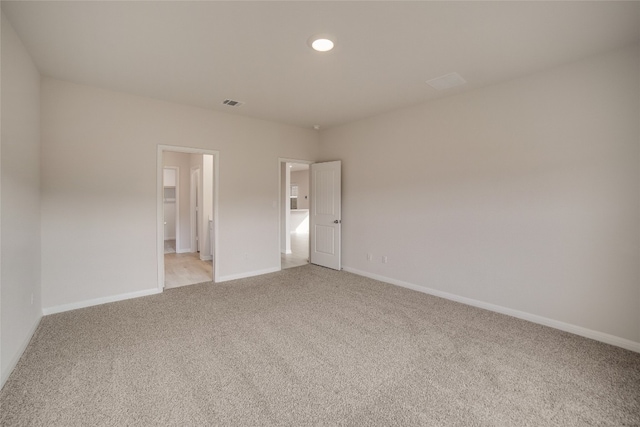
<point>312,346</point>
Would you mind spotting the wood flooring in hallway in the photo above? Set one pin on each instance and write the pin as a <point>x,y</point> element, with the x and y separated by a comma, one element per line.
<point>299,251</point>
<point>186,269</point>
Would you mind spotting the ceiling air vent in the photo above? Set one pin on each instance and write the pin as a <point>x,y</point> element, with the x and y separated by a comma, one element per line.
<point>447,81</point>
<point>232,103</point>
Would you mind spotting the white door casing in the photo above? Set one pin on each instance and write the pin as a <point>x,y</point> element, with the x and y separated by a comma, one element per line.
<point>325,216</point>
<point>193,207</point>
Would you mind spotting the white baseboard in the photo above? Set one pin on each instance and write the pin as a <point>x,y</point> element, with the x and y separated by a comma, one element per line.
<point>247,274</point>
<point>567,327</point>
<point>183,251</point>
<point>16,358</point>
<point>206,258</point>
<point>98,301</point>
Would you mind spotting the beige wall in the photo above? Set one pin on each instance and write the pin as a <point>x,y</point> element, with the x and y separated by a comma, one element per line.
<point>524,195</point>
<point>99,227</point>
<point>20,308</point>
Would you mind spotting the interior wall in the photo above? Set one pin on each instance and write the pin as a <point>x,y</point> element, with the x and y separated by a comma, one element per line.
<point>524,195</point>
<point>183,162</point>
<point>99,207</point>
<point>20,296</point>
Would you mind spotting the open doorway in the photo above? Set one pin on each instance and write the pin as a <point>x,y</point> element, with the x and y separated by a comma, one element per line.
<point>188,207</point>
<point>294,213</point>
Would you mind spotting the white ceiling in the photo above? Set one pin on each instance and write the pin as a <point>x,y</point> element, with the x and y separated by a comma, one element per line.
<point>200,53</point>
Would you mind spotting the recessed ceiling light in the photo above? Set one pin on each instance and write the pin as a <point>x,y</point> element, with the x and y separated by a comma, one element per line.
<point>322,45</point>
<point>321,42</point>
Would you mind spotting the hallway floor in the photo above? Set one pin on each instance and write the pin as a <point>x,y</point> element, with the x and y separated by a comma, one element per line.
<point>299,251</point>
<point>186,269</point>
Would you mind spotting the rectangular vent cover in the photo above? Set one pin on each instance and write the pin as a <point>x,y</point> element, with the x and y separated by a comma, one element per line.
<point>447,81</point>
<point>232,103</point>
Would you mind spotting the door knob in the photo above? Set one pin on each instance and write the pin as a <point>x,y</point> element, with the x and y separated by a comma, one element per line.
<point>337,221</point>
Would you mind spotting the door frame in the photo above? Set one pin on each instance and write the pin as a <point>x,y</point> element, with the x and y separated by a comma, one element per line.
<point>282,160</point>
<point>160,206</point>
<point>193,189</point>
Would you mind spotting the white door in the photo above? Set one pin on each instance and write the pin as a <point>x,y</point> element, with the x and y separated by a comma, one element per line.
<point>325,217</point>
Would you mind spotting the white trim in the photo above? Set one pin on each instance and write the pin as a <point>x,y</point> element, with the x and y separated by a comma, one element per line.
<point>566,327</point>
<point>183,251</point>
<point>248,274</point>
<point>178,204</point>
<point>16,358</point>
<point>159,207</point>
<point>216,191</point>
<point>194,178</point>
<point>98,301</point>
<point>160,217</point>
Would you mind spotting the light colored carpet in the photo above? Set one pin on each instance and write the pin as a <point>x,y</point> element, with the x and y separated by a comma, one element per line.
<point>311,346</point>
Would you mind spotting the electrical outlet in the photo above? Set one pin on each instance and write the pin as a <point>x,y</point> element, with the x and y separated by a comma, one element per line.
<point>369,257</point>
<point>384,259</point>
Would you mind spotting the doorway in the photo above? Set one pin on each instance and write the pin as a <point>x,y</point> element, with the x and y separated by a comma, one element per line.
<point>196,175</point>
<point>294,213</point>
